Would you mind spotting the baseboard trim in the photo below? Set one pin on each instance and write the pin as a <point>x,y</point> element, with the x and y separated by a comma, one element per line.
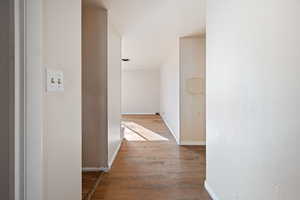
<point>173,133</point>
<point>193,143</point>
<point>111,162</point>
<point>210,191</point>
<point>138,113</point>
<point>104,169</point>
<point>95,169</point>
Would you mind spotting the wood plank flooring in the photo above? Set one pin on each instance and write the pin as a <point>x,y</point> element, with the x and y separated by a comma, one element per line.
<point>89,179</point>
<point>154,170</point>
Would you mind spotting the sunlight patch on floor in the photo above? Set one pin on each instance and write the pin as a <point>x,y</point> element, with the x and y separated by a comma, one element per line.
<point>136,132</point>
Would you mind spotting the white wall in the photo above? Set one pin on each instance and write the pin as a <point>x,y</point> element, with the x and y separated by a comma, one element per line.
<point>62,111</point>
<point>140,91</point>
<point>253,99</point>
<point>114,92</point>
<point>36,172</point>
<point>192,82</point>
<point>170,92</point>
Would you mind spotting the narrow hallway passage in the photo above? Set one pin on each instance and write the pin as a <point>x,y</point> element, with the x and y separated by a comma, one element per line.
<point>154,170</point>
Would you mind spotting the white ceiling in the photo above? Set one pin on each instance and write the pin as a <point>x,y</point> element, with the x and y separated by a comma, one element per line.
<point>150,28</point>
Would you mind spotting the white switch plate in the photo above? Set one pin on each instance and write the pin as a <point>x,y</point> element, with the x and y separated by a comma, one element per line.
<point>55,81</point>
<point>51,81</point>
<point>60,81</point>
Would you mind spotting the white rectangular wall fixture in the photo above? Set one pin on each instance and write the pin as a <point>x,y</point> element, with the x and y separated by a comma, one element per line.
<point>55,81</point>
<point>51,85</point>
<point>59,75</point>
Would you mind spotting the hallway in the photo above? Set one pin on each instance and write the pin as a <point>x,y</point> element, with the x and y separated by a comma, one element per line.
<point>158,170</point>
<point>222,76</point>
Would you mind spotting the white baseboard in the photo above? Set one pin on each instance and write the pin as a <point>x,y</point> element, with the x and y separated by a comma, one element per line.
<point>95,169</point>
<point>173,133</point>
<point>193,143</point>
<point>138,113</point>
<point>110,162</point>
<point>210,191</point>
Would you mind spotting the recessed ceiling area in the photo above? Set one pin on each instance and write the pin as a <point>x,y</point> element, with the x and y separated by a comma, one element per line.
<point>150,28</point>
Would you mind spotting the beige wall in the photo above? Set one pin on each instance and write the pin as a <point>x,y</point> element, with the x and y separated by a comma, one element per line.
<point>114,92</point>
<point>4,99</point>
<point>62,110</point>
<point>94,76</point>
<point>253,99</point>
<point>192,90</point>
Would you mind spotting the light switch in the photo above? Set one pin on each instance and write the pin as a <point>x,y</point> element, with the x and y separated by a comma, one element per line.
<point>60,81</point>
<point>51,81</point>
<point>55,80</point>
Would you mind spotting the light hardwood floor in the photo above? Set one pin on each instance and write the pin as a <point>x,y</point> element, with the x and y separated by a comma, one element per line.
<point>154,170</point>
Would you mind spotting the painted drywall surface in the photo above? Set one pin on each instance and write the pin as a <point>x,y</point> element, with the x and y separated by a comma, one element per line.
<point>36,172</point>
<point>192,89</point>
<point>253,99</point>
<point>140,91</point>
<point>4,100</point>
<point>62,111</point>
<point>151,28</point>
<point>114,92</point>
<point>170,92</point>
<point>94,77</point>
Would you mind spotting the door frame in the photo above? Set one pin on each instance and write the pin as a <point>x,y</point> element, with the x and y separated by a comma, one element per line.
<point>26,150</point>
